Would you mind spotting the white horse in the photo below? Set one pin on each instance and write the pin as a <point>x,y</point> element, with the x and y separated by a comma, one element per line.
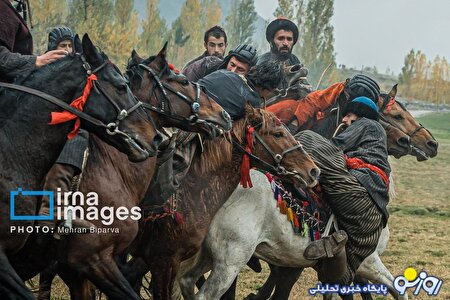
<point>249,223</point>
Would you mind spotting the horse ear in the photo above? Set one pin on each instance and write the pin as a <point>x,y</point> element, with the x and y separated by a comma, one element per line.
<point>77,44</point>
<point>393,91</point>
<point>252,114</point>
<point>135,57</point>
<point>90,51</point>
<point>162,53</point>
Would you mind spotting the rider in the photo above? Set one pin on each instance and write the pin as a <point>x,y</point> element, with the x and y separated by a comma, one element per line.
<point>215,43</point>
<point>298,114</point>
<point>70,160</point>
<point>60,38</point>
<point>16,45</point>
<point>354,180</point>
<point>282,35</point>
<point>238,60</point>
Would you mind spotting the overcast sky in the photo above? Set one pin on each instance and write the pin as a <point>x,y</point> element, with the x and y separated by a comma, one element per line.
<point>381,32</point>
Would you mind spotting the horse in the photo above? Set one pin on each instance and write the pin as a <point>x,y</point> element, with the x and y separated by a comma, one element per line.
<point>118,183</point>
<point>398,146</point>
<point>212,177</point>
<point>29,146</point>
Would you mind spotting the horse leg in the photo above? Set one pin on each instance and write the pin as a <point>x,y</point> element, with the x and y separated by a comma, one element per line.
<point>45,281</point>
<point>190,279</point>
<point>285,279</point>
<point>374,270</point>
<point>79,287</point>
<point>134,271</point>
<point>106,276</point>
<point>11,286</point>
<point>230,294</point>
<point>164,273</point>
<point>220,279</point>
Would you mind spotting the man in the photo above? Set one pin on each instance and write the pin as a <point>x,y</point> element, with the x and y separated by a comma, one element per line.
<point>215,43</point>
<point>16,45</point>
<point>282,35</point>
<point>355,186</point>
<point>238,60</point>
<point>60,38</point>
<point>296,114</point>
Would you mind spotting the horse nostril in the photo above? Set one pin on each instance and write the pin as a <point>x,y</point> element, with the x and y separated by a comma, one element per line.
<point>404,141</point>
<point>432,144</point>
<point>157,140</point>
<point>314,172</point>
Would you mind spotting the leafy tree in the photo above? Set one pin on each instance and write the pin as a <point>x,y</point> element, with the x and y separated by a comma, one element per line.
<point>46,15</point>
<point>285,8</point>
<point>154,30</point>
<point>240,24</point>
<point>406,76</point>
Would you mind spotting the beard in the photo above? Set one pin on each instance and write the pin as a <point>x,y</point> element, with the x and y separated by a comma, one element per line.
<point>277,51</point>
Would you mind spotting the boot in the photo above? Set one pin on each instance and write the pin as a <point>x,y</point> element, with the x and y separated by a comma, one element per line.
<point>327,247</point>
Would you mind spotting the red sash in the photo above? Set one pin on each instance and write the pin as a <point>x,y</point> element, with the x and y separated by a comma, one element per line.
<point>357,163</point>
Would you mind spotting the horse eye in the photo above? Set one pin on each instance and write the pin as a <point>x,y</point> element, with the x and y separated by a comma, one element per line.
<point>278,134</point>
<point>398,117</point>
<point>122,88</point>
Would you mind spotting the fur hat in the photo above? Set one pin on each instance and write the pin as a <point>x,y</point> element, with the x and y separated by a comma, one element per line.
<point>281,23</point>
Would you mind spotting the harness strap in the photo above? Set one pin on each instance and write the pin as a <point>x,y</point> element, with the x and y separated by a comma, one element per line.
<point>357,163</point>
<point>55,101</point>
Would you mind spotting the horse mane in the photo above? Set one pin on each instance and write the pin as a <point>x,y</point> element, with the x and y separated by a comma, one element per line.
<point>46,71</point>
<point>219,152</point>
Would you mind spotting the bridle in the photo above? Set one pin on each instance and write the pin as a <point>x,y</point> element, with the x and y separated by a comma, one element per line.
<point>165,108</point>
<point>387,105</point>
<point>277,157</point>
<point>111,128</point>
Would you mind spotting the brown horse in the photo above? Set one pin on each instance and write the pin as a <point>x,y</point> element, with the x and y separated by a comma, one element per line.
<point>29,146</point>
<point>119,183</point>
<point>213,176</point>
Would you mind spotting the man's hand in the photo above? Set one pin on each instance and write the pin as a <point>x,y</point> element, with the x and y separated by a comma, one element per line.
<point>50,57</point>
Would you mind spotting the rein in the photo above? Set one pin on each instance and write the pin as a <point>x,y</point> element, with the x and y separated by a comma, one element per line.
<point>72,112</point>
<point>252,137</point>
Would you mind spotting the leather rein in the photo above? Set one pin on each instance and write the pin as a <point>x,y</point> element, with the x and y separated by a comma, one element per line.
<point>111,128</point>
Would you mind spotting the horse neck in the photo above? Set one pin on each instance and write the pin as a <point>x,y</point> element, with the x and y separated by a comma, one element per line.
<point>328,125</point>
<point>212,185</point>
<point>25,130</point>
<point>126,177</point>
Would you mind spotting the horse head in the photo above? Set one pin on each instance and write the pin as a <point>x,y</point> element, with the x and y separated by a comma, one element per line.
<point>398,142</point>
<point>174,101</point>
<point>129,128</point>
<point>276,150</point>
<point>295,85</point>
<point>423,144</point>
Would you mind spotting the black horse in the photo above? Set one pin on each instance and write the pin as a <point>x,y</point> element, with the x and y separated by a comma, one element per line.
<point>29,146</point>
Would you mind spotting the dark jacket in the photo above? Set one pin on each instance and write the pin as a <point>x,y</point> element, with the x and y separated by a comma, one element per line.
<point>202,67</point>
<point>16,44</point>
<point>366,139</point>
<point>205,54</point>
<point>289,59</point>
<point>231,91</point>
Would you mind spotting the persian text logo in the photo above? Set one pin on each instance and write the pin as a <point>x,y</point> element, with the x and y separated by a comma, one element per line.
<point>430,284</point>
<point>12,205</point>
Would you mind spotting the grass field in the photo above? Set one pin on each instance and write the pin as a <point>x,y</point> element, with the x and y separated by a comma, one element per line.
<point>419,222</point>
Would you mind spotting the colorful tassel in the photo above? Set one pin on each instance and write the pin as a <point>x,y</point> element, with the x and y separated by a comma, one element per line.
<point>317,235</point>
<point>290,214</point>
<point>279,200</point>
<point>178,218</point>
<point>311,234</point>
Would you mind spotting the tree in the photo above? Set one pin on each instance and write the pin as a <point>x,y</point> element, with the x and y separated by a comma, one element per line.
<point>154,30</point>
<point>46,15</point>
<point>406,76</point>
<point>316,48</point>
<point>285,8</point>
<point>212,13</point>
<point>240,23</point>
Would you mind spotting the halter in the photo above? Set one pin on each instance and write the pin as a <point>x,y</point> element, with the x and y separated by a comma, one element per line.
<point>165,107</point>
<point>387,104</point>
<point>111,128</point>
<point>277,157</point>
